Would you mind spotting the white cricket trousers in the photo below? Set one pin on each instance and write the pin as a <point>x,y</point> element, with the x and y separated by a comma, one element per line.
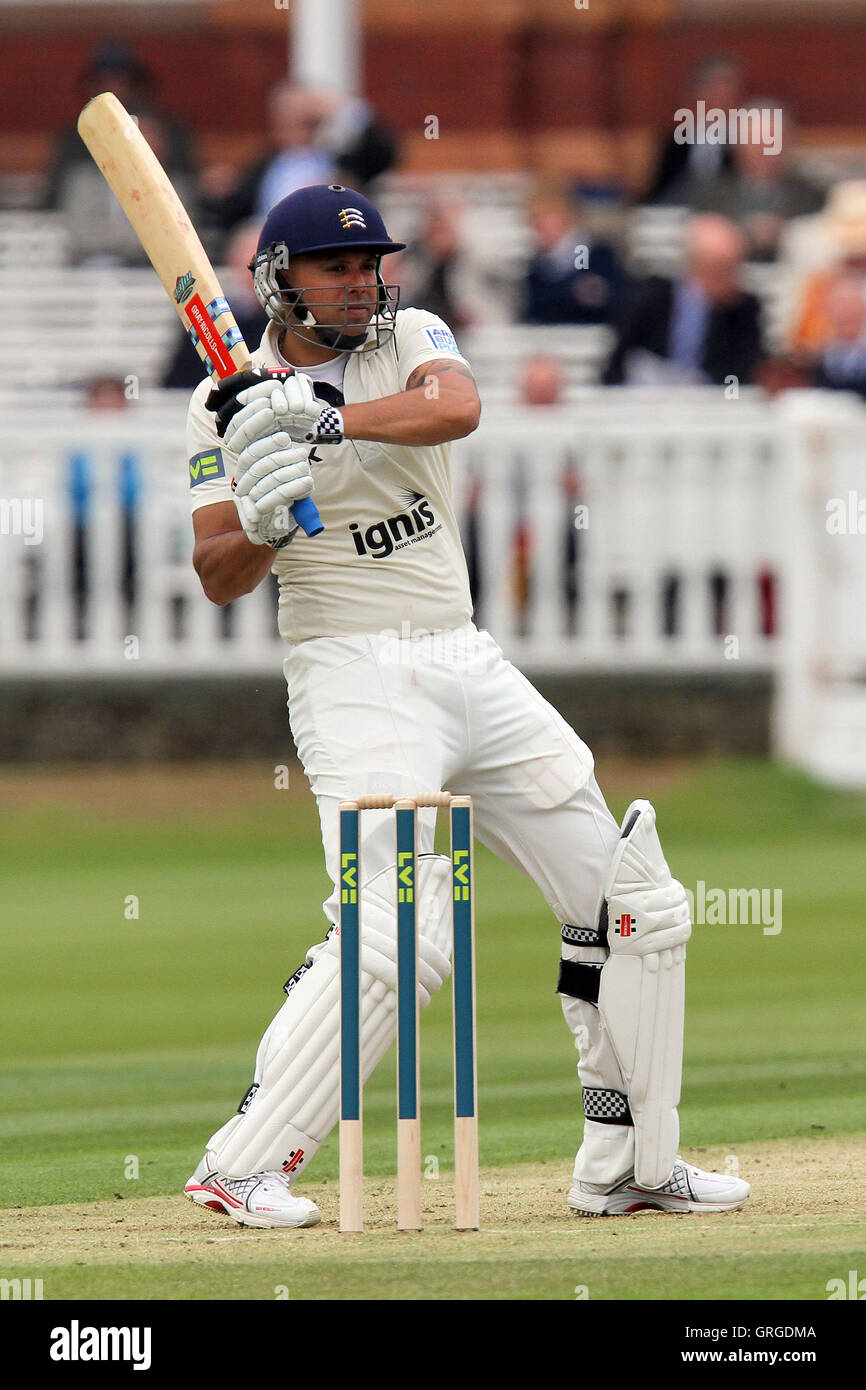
<point>446,712</point>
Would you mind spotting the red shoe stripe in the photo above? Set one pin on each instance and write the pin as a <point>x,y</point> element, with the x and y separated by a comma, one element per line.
<point>212,1189</point>
<point>221,1192</point>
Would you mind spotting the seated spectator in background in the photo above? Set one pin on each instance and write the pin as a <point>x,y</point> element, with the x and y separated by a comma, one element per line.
<point>96,226</point>
<point>702,329</point>
<point>571,278</point>
<point>841,365</point>
<point>186,369</point>
<point>106,394</point>
<point>314,137</point>
<point>682,171</point>
<point>843,226</point>
<point>761,192</point>
<point>542,382</point>
<point>363,149</point>
<point>298,158</point>
<point>430,273</point>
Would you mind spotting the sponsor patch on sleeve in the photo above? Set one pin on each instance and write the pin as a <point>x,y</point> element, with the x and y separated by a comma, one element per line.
<point>443,340</point>
<point>203,468</point>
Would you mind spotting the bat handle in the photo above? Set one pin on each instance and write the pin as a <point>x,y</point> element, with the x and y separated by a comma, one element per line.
<point>306,514</point>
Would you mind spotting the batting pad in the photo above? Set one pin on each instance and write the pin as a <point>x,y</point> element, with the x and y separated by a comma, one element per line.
<point>298,1063</point>
<point>641,997</point>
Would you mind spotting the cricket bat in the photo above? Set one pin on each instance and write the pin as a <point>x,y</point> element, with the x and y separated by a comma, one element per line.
<point>161,224</point>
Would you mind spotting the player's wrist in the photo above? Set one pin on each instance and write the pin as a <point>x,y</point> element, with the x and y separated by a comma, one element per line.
<point>328,428</point>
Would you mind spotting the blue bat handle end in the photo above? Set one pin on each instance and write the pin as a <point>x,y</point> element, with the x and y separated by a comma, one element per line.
<point>306,514</point>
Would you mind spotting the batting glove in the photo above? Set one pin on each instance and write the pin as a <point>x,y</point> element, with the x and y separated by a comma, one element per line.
<point>271,475</point>
<point>253,404</point>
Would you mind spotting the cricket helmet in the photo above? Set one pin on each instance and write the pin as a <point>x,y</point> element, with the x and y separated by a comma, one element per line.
<point>323,218</point>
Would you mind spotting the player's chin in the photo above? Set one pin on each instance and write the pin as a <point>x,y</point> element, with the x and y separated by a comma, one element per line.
<point>350,334</point>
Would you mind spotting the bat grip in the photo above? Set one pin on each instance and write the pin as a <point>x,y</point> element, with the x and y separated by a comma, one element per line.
<point>306,514</point>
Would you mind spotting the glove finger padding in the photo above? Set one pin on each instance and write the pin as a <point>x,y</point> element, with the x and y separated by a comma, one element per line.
<point>276,524</point>
<point>266,456</point>
<point>223,398</point>
<point>287,485</point>
<point>260,417</point>
<point>286,403</point>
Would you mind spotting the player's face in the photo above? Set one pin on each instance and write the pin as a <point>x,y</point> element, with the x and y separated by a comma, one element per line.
<point>340,288</point>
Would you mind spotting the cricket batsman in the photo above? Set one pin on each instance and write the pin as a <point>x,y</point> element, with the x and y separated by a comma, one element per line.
<point>392,689</point>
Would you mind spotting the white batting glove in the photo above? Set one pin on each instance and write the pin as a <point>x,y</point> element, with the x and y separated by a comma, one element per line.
<point>285,405</point>
<point>271,474</point>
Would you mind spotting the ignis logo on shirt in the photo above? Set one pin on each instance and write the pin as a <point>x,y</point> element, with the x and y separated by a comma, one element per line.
<point>396,532</point>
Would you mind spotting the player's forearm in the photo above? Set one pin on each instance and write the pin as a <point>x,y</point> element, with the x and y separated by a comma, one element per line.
<point>229,565</point>
<point>422,416</point>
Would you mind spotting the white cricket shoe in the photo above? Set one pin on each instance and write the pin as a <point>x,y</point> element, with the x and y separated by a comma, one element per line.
<point>263,1199</point>
<point>687,1189</point>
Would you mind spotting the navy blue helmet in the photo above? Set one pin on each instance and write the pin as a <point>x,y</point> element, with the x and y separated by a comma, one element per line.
<point>320,219</point>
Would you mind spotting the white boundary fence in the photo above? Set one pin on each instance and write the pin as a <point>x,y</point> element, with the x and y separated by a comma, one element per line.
<point>627,532</point>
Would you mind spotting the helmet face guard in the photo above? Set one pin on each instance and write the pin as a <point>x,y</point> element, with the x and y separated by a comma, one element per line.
<point>324,219</point>
<point>286,306</point>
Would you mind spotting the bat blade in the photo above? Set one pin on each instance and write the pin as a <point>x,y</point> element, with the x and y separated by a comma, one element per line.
<point>172,245</point>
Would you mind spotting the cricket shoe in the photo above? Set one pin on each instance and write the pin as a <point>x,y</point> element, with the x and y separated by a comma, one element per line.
<point>687,1189</point>
<point>263,1199</point>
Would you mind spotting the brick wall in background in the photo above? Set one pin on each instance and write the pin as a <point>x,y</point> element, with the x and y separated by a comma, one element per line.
<point>522,67</point>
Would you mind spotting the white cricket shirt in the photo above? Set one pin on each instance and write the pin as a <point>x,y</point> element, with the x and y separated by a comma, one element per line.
<point>390,556</point>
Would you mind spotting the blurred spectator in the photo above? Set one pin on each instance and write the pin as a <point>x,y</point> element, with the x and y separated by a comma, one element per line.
<point>761,192</point>
<point>542,381</point>
<point>843,227</point>
<point>297,115</point>
<point>571,278</point>
<point>431,271</point>
<point>186,369</point>
<point>703,328</point>
<point>681,171</point>
<point>363,149</point>
<point>460,264</point>
<point>103,393</point>
<point>96,225</point>
<point>314,137</point>
<point>841,366</point>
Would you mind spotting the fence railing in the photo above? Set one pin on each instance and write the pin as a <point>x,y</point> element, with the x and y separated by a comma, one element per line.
<point>630,531</point>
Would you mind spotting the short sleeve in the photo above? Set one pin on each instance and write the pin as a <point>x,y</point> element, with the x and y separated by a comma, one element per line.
<point>422,337</point>
<point>211,465</point>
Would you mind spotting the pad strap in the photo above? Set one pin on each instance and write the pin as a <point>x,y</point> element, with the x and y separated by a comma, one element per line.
<point>579,980</point>
<point>606,1107</point>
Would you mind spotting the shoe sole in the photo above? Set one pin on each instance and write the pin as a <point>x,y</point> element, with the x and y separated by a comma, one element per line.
<point>210,1202</point>
<point>619,1204</point>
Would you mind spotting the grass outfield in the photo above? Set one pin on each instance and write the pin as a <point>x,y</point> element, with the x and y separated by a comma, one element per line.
<point>126,1040</point>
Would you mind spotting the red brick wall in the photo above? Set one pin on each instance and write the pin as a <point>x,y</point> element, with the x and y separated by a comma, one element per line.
<point>516,77</point>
